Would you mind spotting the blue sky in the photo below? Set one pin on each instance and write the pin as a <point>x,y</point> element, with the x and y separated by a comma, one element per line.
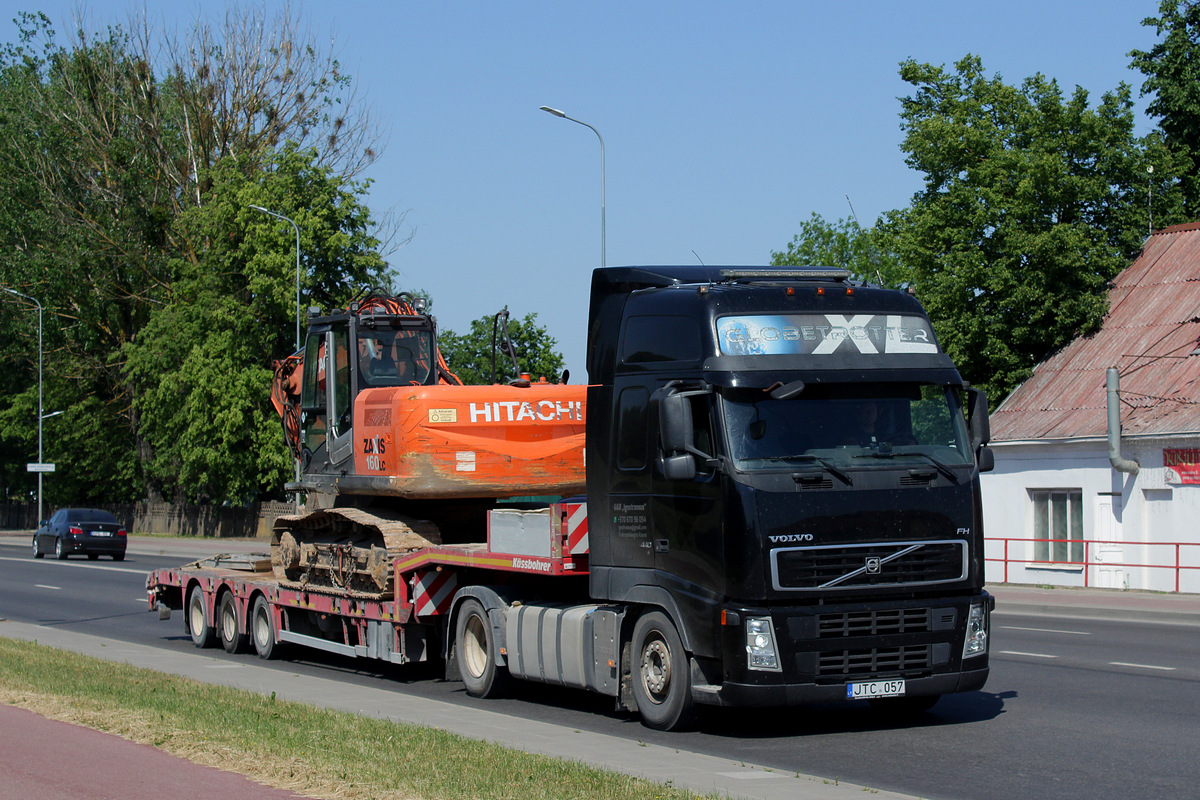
<point>725,124</point>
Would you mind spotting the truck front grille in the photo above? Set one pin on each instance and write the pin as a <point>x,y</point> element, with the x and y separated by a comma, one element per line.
<point>870,565</point>
<point>874,662</point>
<point>873,622</point>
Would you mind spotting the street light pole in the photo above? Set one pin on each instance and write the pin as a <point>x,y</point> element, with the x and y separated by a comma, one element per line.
<point>40,416</point>
<point>557,113</point>
<point>295,227</point>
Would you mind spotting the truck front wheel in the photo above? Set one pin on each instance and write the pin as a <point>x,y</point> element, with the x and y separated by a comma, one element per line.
<point>476,650</point>
<point>661,677</point>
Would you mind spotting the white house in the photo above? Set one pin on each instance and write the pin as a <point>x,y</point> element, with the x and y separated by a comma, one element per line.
<point>1070,505</point>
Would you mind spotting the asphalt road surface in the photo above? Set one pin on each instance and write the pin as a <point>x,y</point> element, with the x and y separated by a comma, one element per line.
<point>1074,708</point>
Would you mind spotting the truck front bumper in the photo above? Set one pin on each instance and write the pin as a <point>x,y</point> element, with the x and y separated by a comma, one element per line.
<point>822,649</point>
<point>792,694</point>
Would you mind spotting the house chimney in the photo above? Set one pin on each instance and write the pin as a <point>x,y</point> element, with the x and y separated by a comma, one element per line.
<point>1114,426</point>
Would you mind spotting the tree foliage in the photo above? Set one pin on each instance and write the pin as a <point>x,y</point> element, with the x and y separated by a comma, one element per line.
<point>201,363</point>
<point>124,208</point>
<point>1032,202</point>
<point>1172,70</point>
<point>473,358</point>
<point>866,252</point>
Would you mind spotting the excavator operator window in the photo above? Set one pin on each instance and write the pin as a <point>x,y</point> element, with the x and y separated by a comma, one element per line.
<point>394,358</point>
<point>341,386</point>
<point>312,397</point>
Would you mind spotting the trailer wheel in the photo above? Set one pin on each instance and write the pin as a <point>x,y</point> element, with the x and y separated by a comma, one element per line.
<point>233,637</point>
<point>661,679</point>
<point>476,650</point>
<point>262,630</point>
<point>202,633</point>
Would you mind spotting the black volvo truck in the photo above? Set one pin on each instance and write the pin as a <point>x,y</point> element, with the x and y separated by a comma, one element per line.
<point>783,481</point>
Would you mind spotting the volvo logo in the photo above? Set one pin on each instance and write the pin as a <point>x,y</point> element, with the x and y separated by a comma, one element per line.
<point>874,565</point>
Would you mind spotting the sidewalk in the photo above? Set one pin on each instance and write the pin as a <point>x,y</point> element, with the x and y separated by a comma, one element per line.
<point>44,759</point>
<point>1112,604</point>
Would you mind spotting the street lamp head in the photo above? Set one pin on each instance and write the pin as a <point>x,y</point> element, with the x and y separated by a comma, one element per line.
<point>259,208</point>
<point>553,111</point>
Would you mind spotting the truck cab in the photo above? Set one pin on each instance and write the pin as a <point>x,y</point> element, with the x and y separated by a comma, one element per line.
<point>787,464</point>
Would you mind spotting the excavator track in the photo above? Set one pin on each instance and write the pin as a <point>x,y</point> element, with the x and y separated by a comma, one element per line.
<point>346,551</point>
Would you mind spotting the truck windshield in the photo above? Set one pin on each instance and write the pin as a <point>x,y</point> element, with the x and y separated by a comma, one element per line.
<point>394,357</point>
<point>847,425</point>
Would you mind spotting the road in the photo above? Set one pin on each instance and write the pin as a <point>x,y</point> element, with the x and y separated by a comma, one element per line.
<point>1094,708</point>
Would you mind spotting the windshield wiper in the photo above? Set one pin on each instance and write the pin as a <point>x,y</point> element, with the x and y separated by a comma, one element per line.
<point>938,465</point>
<point>842,476</point>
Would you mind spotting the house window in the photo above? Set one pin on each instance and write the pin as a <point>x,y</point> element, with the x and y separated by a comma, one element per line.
<point>1058,525</point>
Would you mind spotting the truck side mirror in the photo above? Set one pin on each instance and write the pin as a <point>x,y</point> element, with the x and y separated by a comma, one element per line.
<point>675,423</point>
<point>675,436</point>
<point>986,460</point>
<point>977,417</point>
<point>679,467</point>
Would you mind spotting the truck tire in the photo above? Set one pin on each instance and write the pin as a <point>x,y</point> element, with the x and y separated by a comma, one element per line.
<point>262,630</point>
<point>197,620</point>
<point>476,650</point>
<point>661,674</point>
<point>229,627</point>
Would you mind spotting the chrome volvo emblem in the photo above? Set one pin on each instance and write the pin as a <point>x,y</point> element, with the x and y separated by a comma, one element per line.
<point>874,565</point>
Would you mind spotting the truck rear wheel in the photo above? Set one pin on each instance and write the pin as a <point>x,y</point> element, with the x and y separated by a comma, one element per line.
<point>197,619</point>
<point>262,630</point>
<point>476,650</point>
<point>233,637</point>
<point>661,675</point>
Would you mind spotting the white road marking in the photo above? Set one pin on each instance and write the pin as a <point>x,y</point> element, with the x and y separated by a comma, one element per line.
<point>1030,655</point>
<point>1045,630</point>
<point>1140,666</point>
<point>76,564</point>
<point>46,586</point>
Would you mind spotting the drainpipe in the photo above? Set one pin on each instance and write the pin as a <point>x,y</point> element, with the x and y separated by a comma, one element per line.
<point>1114,427</point>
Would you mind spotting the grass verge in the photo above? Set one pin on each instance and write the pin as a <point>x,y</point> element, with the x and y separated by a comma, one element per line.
<point>308,750</point>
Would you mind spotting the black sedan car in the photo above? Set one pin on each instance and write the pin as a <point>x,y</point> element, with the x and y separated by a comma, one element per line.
<point>81,530</point>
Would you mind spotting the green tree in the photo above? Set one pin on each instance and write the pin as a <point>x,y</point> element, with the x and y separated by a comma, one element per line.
<point>1172,70</point>
<point>124,209</point>
<point>1032,202</point>
<point>471,356</point>
<point>202,364</point>
<point>864,251</point>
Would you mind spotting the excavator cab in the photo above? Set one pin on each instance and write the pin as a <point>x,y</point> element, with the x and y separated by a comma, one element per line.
<point>379,342</point>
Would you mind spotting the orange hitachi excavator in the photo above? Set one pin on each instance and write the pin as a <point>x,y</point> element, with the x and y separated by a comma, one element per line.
<point>395,453</point>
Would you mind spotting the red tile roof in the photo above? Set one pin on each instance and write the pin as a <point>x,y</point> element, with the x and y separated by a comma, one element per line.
<point>1152,328</point>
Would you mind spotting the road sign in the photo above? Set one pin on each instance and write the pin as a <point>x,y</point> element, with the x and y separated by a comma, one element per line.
<point>39,468</point>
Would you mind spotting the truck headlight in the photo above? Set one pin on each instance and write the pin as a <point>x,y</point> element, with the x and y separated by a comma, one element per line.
<point>977,635</point>
<point>760,645</point>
